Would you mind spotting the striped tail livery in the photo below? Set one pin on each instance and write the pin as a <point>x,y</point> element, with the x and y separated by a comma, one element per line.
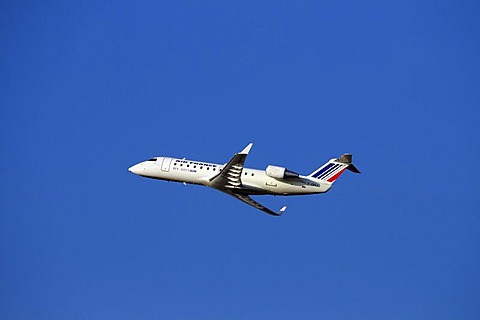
<point>331,170</point>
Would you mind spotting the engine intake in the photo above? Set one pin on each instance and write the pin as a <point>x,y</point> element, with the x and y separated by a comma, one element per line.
<point>280,172</point>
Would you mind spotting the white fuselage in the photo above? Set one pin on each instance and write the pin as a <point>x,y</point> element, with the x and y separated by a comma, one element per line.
<point>253,181</point>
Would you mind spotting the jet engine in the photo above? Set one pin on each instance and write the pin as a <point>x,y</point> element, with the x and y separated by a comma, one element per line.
<point>280,172</point>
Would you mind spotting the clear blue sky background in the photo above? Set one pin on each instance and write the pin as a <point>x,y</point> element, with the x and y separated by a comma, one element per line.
<point>88,89</point>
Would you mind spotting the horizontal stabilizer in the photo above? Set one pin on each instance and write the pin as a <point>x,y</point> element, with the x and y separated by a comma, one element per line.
<point>347,159</point>
<point>352,168</point>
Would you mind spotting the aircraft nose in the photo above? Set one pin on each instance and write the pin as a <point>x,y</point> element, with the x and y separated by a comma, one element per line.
<point>136,169</point>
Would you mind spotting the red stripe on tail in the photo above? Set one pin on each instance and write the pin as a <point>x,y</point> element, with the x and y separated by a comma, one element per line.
<point>335,177</point>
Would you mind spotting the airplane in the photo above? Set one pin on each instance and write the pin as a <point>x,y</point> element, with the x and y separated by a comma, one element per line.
<point>240,182</point>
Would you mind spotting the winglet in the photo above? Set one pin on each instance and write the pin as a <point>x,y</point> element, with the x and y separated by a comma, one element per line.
<point>247,149</point>
<point>282,210</point>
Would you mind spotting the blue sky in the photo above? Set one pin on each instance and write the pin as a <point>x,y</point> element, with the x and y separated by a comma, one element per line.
<point>89,88</point>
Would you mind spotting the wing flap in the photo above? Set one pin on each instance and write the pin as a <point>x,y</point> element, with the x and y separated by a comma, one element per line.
<point>257,205</point>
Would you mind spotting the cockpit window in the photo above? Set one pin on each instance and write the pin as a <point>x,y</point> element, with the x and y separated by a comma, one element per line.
<point>153,159</point>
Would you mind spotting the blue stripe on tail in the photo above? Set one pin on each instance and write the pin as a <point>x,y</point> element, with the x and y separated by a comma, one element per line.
<point>329,172</point>
<point>318,173</point>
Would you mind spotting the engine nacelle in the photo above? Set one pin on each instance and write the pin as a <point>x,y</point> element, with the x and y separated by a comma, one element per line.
<point>280,172</point>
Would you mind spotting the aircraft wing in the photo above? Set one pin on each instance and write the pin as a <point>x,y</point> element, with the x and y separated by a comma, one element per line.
<point>257,205</point>
<point>229,181</point>
<point>229,177</point>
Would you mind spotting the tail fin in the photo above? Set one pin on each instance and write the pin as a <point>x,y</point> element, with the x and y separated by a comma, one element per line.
<point>331,170</point>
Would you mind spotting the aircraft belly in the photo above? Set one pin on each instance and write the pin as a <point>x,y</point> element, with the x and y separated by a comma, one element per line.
<point>251,189</point>
<point>260,183</point>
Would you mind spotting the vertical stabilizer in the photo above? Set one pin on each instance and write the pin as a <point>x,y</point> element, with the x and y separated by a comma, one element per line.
<point>331,170</point>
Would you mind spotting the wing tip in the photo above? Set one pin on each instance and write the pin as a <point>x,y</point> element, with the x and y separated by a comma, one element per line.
<point>247,148</point>
<point>282,210</point>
